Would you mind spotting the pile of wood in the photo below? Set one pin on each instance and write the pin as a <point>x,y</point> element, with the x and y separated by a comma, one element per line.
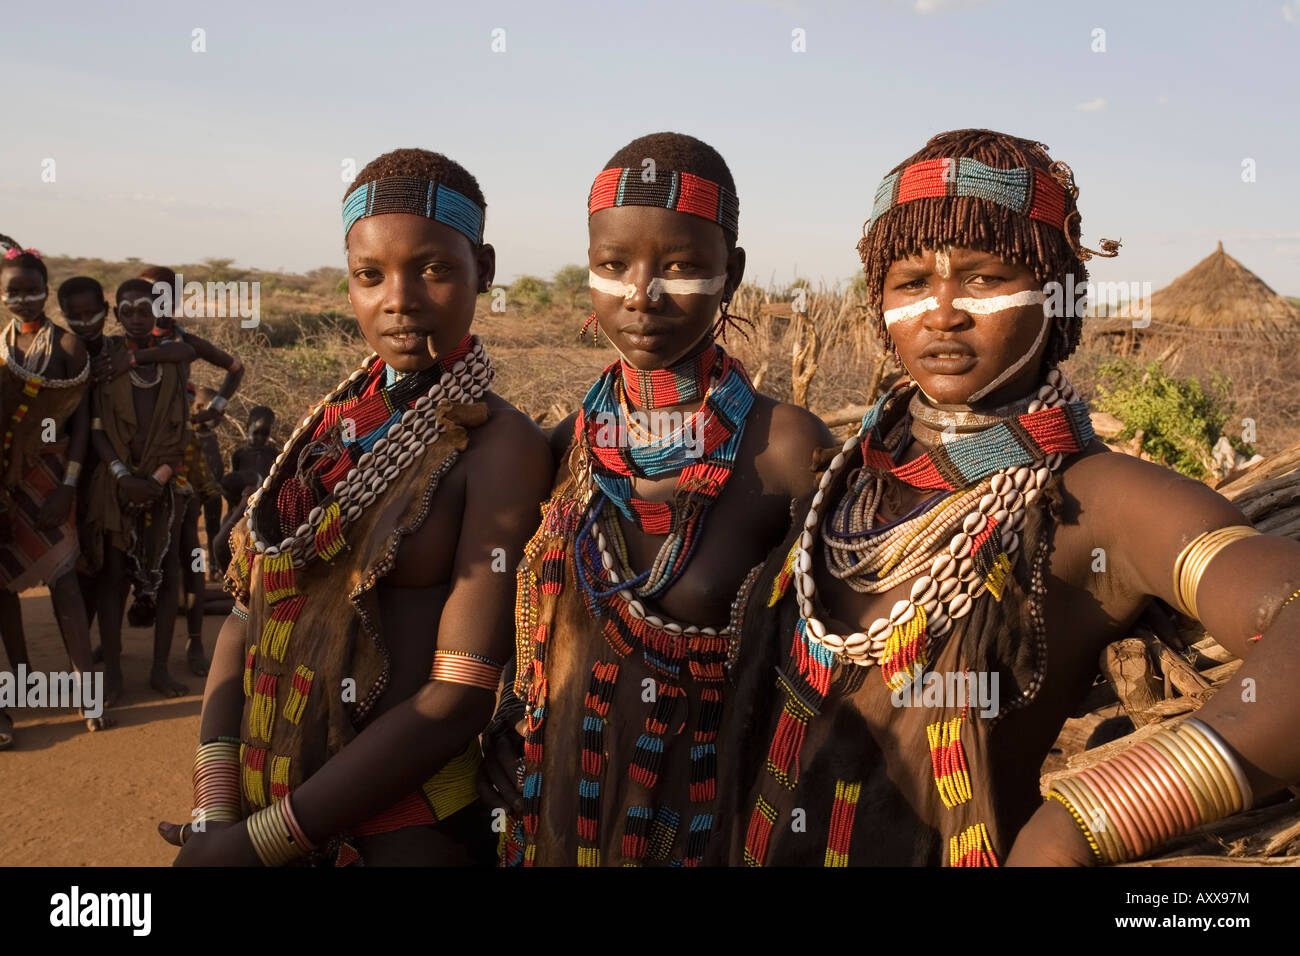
<point>1162,673</point>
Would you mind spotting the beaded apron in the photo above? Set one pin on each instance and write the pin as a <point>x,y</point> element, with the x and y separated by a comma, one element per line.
<point>623,711</point>
<point>623,708</point>
<point>867,780</point>
<point>314,628</point>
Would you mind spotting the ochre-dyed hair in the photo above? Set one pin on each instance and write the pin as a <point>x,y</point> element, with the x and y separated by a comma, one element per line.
<point>907,229</point>
<point>24,261</point>
<point>678,152</point>
<point>421,164</point>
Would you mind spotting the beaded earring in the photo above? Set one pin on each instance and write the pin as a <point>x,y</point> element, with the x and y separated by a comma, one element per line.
<point>592,324</point>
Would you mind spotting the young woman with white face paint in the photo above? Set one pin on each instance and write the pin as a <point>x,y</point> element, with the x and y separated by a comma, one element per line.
<point>631,597</point>
<point>975,529</point>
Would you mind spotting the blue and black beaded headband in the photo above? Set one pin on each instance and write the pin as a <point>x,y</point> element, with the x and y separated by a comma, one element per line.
<point>420,197</point>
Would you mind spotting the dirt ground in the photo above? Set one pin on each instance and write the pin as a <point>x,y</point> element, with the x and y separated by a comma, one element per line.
<point>71,798</point>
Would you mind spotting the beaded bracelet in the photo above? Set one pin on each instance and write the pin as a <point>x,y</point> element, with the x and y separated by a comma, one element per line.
<point>218,404</point>
<point>1087,834</point>
<point>72,473</point>
<point>119,470</point>
<point>162,473</point>
<point>1172,782</point>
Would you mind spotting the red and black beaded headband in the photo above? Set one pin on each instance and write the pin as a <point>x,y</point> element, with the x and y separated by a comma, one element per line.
<point>682,192</point>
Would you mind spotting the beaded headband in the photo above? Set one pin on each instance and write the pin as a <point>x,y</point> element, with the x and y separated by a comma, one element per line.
<point>681,192</point>
<point>14,252</point>
<point>420,197</point>
<point>1030,192</point>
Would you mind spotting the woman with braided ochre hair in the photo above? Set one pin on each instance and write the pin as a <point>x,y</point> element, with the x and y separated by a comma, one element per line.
<point>372,616</point>
<point>937,616</point>
<point>677,481</point>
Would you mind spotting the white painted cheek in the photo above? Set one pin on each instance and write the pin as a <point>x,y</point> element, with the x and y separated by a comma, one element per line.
<point>710,286</point>
<point>905,312</point>
<point>999,303</point>
<point>624,290</point>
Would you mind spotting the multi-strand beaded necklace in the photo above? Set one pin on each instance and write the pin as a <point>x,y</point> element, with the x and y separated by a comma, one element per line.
<point>368,433</point>
<point>703,449</point>
<point>31,370</point>
<point>955,547</point>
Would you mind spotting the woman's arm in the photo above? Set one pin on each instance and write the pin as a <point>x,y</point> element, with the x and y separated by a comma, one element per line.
<point>406,745</point>
<point>1152,517</point>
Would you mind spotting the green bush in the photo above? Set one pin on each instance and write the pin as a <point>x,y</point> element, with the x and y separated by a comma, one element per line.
<point>1179,421</point>
<point>569,283</point>
<point>530,290</point>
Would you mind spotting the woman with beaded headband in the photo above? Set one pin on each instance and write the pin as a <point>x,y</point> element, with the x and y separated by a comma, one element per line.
<point>677,480</point>
<point>939,616</point>
<point>43,383</point>
<point>372,617</point>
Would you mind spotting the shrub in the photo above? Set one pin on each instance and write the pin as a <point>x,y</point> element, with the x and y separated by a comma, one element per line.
<point>1179,421</point>
<point>530,290</point>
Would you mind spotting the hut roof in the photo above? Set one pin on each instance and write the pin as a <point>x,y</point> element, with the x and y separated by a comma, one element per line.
<point>1219,296</point>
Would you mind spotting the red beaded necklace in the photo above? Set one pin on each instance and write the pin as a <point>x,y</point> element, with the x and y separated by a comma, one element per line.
<point>32,327</point>
<point>679,384</point>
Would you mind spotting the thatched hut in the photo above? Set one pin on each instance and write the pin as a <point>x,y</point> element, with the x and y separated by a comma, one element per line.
<point>1217,300</point>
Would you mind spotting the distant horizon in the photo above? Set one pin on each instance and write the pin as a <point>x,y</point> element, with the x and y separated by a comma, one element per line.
<point>142,144</point>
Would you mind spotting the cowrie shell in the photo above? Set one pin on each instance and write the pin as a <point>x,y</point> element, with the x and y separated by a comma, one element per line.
<point>974,523</point>
<point>959,606</point>
<point>902,612</point>
<point>879,627</point>
<point>672,627</point>
<point>856,642</point>
<point>833,641</point>
<point>947,588</point>
<point>942,566</point>
<point>803,561</point>
<point>989,503</point>
<point>959,547</point>
<point>636,609</point>
<point>653,621</point>
<point>816,628</point>
<point>923,588</point>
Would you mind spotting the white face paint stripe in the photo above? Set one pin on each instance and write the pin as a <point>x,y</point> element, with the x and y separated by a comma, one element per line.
<point>685,286</point>
<point>99,316</point>
<point>942,264</point>
<point>999,303</point>
<point>657,286</point>
<point>905,312</point>
<point>1020,363</point>
<point>19,299</point>
<point>610,286</point>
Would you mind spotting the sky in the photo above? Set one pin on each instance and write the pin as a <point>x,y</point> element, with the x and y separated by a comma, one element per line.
<point>1178,119</point>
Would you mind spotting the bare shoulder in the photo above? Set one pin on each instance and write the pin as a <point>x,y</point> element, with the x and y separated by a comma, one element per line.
<point>1114,483</point>
<point>793,434</point>
<point>512,440</point>
<point>561,439</point>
